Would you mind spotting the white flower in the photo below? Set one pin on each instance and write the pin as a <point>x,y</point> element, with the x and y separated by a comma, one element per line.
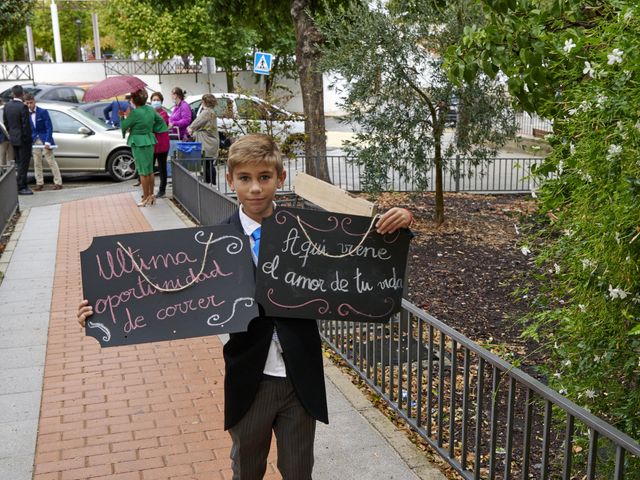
<point>568,232</point>
<point>525,250</point>
<point>636,298</point>
<point>615,56</point>
<point>567,363</point>
<point>590,393</point>
<point>556,268</point>
<point>557,375</point>
<point>568,45</point>
<point>562,391</point>
<point>582,308</point>
<point>560,167</point>
<point>588,69</point>
<point>600,99</point>
<point>533,193</point>
<point>614,151</point>
<point>587,263</point>
<point>617,293</point>
<point>572,149</point>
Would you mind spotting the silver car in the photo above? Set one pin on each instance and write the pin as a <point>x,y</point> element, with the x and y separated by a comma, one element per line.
<point>87,144</point>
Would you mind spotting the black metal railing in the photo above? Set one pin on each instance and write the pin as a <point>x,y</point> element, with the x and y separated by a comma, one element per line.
<point>8,194</point>
<point>500,175</point>
<point>16,71</point>
<point>200,199</point>
<point>485,417</point>
<point>148,67</point>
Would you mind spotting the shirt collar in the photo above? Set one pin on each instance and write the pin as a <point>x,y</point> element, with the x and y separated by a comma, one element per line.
<point>249,224</point>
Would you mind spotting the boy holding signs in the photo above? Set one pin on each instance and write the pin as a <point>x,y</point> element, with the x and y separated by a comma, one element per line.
<point>274,379</point>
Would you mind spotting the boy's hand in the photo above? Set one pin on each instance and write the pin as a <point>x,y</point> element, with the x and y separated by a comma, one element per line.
<point>84,311</point>
<point>394,219</point>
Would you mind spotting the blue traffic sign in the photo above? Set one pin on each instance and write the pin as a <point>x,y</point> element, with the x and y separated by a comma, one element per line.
<point>262,63</point>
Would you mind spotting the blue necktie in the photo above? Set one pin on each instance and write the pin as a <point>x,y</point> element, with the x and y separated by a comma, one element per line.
<point>256,237</point>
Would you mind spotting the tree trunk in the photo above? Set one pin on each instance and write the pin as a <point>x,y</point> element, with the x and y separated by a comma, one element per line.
<point>307,54</point>
<point>228,71</point>
<point>437,160</point>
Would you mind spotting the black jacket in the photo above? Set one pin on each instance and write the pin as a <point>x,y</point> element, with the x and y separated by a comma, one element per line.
<point>246,353</point>
<point>16,121</point>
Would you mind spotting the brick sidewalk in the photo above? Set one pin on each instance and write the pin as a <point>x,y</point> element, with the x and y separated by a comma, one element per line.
<point>150,411</point>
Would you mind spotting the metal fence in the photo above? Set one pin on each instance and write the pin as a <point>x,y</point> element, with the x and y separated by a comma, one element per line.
<point>201,200</point>
<point>16,71</point>
<point>485,417</point>
<point>500,175</point>
<point>8,194</point>
<point>531,125</point>
<point>148,67</point>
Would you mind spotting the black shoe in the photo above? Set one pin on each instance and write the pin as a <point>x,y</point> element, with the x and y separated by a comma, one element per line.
<point>25,191</point>
<point>160,194</point>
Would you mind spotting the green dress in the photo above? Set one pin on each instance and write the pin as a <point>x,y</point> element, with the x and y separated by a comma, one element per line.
<point>142,122</point>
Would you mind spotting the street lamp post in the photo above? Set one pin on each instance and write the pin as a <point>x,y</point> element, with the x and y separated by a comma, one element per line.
<point>79,40</point>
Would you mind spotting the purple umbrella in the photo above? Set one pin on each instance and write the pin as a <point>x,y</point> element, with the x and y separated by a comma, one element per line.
<point>112,87</point>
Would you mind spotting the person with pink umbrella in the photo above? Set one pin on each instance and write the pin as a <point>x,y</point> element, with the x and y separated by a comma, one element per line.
<point>142,121</point>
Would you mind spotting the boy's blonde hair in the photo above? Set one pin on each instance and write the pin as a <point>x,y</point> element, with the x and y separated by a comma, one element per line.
<point>253,149</point>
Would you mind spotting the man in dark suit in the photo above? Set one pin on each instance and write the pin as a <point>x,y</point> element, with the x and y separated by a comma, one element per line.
<point>43,144</point>
<point>16,120</point>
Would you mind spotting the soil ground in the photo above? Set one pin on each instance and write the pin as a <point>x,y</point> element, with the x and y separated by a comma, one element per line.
<point>465,271</point>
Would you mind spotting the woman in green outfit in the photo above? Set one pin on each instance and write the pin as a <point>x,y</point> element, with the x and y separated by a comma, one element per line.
<point>142,121</point>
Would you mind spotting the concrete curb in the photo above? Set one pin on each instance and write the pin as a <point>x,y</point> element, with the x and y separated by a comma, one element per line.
<point>415,459</point>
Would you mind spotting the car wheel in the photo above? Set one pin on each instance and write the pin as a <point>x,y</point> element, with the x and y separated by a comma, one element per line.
<point>121,166</point>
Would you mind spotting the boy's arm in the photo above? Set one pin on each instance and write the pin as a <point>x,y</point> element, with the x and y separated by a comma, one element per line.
<point>394,219</point>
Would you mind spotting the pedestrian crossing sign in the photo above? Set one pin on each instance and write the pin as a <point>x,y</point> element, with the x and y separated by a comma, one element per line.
<point>262,63</point>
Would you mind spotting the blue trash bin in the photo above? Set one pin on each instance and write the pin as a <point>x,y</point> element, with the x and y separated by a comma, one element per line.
<point>189,155</point>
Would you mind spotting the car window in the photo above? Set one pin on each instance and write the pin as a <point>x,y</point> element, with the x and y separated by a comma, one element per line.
<point>61,95</point>
<point>223,108</point>
<point>63,123</point>
<point>78,94</point>
<point>250,109</point>
<point>195,108</point>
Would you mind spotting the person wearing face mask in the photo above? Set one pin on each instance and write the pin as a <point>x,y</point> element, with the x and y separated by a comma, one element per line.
<point>161,149</point>
<point>180,117</point>
<point>43,144</point>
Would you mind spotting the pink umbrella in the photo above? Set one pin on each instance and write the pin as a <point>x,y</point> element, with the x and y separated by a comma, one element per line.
<point>112,87</point>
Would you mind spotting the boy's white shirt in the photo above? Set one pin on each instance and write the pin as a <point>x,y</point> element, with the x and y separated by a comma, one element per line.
<point>274,365</point>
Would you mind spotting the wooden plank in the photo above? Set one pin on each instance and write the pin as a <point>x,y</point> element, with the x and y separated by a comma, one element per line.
<point>330,197</point>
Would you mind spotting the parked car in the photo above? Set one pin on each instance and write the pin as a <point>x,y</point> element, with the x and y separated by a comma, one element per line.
<point>241,114</point>
<point>44,92</point>
<point>86,144</point>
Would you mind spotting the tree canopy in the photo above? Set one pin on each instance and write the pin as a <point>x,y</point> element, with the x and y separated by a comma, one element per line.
<point>399,95</point>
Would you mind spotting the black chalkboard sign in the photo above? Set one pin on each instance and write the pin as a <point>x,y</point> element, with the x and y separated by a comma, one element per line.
<point>298,275</point>
<point>122,277</point>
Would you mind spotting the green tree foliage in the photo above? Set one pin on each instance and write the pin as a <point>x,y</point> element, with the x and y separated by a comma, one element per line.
<point>399,93</point>
<point>578,63</point>
<point>14,16</point>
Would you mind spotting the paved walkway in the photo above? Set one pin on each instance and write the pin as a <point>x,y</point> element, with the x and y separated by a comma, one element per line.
<point>70,410</point>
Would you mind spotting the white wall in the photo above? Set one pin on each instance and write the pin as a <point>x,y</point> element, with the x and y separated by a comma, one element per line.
<point>92,72</point>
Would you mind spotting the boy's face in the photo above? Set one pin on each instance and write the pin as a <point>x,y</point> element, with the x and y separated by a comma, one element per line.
<point>256,185</point>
